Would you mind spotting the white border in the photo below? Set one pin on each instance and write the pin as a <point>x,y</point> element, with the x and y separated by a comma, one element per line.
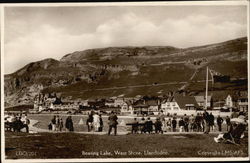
<point>2,82</point>
<point>159,3</point>
<point>248,37</point>
<point>183,3</point>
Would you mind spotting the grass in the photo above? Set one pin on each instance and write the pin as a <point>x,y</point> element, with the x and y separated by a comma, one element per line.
<point>71,145</point>
<point>43,121</point>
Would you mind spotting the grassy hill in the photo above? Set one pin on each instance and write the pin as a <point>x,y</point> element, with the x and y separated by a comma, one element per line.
<point>105,72</point>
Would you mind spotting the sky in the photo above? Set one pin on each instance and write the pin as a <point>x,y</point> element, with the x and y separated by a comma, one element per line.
<point>35,33</point>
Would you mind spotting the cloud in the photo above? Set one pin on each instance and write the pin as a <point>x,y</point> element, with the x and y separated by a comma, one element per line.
<point>29,41</point>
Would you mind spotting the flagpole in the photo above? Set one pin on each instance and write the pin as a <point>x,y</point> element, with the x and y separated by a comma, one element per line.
<point>206,89</point>
<point>212,76</point>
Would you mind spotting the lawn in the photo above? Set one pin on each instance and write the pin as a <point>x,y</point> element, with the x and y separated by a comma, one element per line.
<point>43,121</point>
<point>75,145</point>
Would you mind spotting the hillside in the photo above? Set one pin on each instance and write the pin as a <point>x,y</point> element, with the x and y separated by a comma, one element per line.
<point>112,71</point>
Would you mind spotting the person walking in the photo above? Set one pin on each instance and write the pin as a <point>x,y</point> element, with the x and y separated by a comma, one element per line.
<point>50,126</point>
<point>228,123</point>
<point>148,125</point>
<point>198,123</point>
<point>186,123</point>
<point>96,122</point>
<point>164,125</point>
<point>60,124</point>
<point>202,123</point>
<point>219,122</point>
<point>192,123</point>
<point>161,116</point>
<point>135,124</point>
<point>158,126</point>
<point>101,123</point>
<point>89,122</point>
<point>26,123</point>
<point>181,125</point>
<point>57,123</point>
<point>112,123</point>
<point>211,121</point>
<point>69,124</point>
<point>174,124</point>
<point>53,123</point>
<point>142,124</point>
<point>18,124</point>
<point>206,120</point>
<point>169,123</point>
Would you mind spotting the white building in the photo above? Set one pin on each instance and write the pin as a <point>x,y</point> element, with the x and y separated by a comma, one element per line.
<point>169,104</point>
<point>229,101</point>
<point>127,108</point>
<point>118,102</point>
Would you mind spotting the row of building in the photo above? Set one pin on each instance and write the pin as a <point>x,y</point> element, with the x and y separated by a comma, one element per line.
<point>142,105</point>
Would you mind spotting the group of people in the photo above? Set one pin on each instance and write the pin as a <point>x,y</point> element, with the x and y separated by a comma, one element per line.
<point>202,122</point>
<point>56,124</point>
<point>94,122</point>
<point>236,131</point>
<point>146,125</point>
<point>16,122</point>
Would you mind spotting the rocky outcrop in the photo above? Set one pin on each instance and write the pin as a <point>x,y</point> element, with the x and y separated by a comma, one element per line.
<point>97,66</point>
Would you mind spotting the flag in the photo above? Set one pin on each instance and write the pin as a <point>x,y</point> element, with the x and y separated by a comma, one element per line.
<point>218,77</point>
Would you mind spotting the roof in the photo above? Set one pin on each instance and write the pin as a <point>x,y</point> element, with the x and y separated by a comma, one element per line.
<point>168,99</point>
<point>233,97</point>
<point>119,99</point>
<point>202,98</point>
<point>140,106</point>
<point>219,104</point>
<point>109,101</point>
<point>152,103</point>
<point>138,102</point>
<point>129,102</point>
<point>183,100</point>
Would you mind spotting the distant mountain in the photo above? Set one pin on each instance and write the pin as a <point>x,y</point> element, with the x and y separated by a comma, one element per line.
<point>112,71</point>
